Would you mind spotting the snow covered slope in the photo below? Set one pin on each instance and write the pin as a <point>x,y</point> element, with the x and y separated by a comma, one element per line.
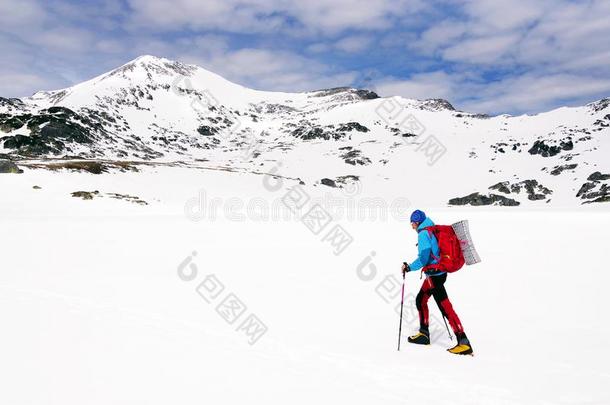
<point>93,309</point>
<point>154,109</point>
<point>150,252</point>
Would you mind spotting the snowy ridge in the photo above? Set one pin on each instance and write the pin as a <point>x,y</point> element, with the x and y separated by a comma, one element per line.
<point>155,109</point>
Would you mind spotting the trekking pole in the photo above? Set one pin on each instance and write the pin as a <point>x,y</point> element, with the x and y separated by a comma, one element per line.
<point>445,320</point>
<point>402,301</point>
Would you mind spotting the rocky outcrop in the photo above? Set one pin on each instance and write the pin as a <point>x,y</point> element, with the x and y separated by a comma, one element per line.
<point>355,157</point>
<point>600,105</point>
<point>548,149</point>
<point>595,190</point>
<point>328,182</point>
<point>341,181</point>
<point>398,131</point>
<point>470,115</point>
<point>349,179</point>
<point>436,104</point>
<point>6,166</point>
<point>361,94</point>
<point>311,131</point>
<point>85,195</point>
<point>604,122</point>
<point>314,133</point>
<point>89,195</point>
<point>13,105</point>
<point>89,166</point>
<point>502,187</point>
<point>534,190</point>
<point>598,176</point>
<point>351,126</point>
<point>476,199</point>
<point>366,94</point>
<point>50,132</point>
<point>503,147</point>
<point>207,130</point>
<point>557,170</point>
<point>594,193</point>
<point>127,197</point>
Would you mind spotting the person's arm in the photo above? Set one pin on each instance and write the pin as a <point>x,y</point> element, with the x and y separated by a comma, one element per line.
<point>424,247</point>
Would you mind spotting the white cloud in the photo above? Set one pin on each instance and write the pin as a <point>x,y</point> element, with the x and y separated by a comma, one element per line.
<point>348,44</point>
<point>20,14</point>
<point>439,35</point>
<point>594,61</point>
<point>540,54</point>
<point>336,15</point>
<point>521,33</point>
<point>212,44</point>
<point>270,70</point>
<point>353,44</point>
<point>518,94</point>
<point>420,86</point>
<point>490,49</point>
<point>319,47</point>
<point>531,92</point>
<point>20,84</point>
<point>491,17</point>
<point>271,16</point>
<point>68,40</point>
<point>110,46</point>
<point>485,56</point>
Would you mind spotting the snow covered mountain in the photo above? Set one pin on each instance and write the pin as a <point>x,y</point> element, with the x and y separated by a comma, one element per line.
<point>149,254</point>
<point>154,109</point>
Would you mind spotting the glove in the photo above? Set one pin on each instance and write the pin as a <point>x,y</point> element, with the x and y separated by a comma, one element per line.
<point>405,267</point>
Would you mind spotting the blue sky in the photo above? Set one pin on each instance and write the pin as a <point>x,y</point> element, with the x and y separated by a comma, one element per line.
<point>483,56</point>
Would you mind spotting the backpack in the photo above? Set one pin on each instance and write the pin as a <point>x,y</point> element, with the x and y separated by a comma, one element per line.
<point>451,256</point>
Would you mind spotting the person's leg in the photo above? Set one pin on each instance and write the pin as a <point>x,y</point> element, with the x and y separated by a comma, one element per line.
<point>463,345</point>
<point>444,304</point>
<point>421,302</point>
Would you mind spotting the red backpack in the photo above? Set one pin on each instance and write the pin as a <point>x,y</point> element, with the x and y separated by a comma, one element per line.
<point>451,256</point>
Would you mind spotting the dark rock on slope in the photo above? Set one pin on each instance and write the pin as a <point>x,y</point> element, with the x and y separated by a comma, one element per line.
<point>436,104</point>
<point>50,132</point>
<point>557,170</point>
<point>595,191</point>
<point>597,176</point>
<point>354,157</point>
<point>328,182</point>
<point>477,199</point>
<point>545,149</point>
<point>6,166</point>
<point>534,190</point>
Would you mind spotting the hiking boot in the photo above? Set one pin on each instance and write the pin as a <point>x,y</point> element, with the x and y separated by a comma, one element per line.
<point>421,338</point>
<point>463,346</point>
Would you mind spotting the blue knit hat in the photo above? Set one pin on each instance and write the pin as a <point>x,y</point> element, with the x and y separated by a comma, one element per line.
<point>418,216</point>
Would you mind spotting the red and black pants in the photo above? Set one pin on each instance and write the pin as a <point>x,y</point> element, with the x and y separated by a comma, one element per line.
<point>434,286</point>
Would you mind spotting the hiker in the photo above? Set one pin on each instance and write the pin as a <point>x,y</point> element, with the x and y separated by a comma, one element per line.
<point>433,286</point>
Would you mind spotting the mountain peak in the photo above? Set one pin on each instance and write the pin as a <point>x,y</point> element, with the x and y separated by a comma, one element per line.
<point>151,59</point>
<point>147,58</point>
<point>599,104</point>
<point>149,65</point>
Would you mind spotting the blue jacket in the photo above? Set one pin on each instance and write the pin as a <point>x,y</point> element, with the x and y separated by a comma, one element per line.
<point>426,246</point>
